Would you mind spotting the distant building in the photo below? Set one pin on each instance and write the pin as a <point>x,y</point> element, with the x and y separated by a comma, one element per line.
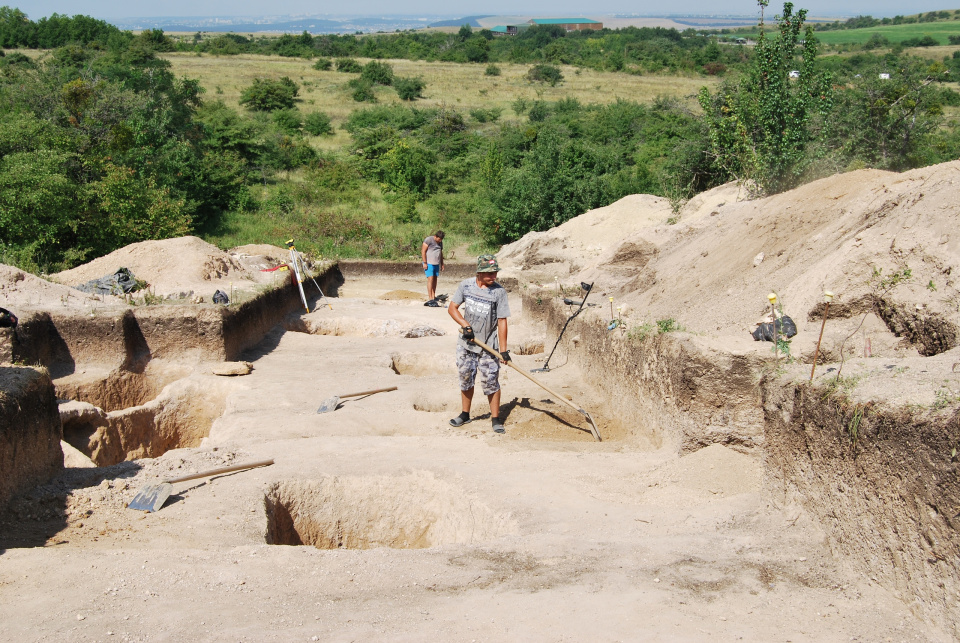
<point>509,30</point>
<point>570,24</point>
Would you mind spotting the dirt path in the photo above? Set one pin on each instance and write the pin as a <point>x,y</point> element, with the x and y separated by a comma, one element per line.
<point>540,534</point>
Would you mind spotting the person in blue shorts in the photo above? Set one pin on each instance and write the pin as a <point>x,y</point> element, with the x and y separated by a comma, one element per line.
<point>432,253</point>
<point>484,317</point>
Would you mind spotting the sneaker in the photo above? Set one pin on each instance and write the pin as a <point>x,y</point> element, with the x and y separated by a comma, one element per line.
<point>459,420</point>
<point>497,425</point>
<point>432,303</point>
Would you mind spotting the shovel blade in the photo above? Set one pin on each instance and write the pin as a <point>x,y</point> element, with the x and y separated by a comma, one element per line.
<point>329,405</point>
<point>151,497</point>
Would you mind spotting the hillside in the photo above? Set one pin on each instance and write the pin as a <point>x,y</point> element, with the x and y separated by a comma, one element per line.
<point>712,270</point>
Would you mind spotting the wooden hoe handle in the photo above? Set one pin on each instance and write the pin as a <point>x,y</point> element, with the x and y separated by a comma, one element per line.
<point>214,472</point>
<point>376,390</point>
<point>529,377</point>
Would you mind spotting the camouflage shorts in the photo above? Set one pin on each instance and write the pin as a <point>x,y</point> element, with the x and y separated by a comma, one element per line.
<point>469,363</point>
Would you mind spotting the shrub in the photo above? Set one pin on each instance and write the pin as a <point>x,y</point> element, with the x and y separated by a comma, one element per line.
<point>288,121</point>
<point>875,41</point>
<point>317,123</point>
<point>409,88</point>
<point>925,41</point>
<point>377,73</point>
<point>539,112</point>
<point>714,69</point>
<point>492,70</point>
<point>349,66</point>
<point>491,115</point>
<point>520,105</point>
<point>268,95</point>
<point>362,90</point>
<point>323,64</point>
<point>544,73</point>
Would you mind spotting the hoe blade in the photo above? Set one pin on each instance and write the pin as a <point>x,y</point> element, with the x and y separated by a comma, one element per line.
<point>329,405</point>
<point>151,497</point>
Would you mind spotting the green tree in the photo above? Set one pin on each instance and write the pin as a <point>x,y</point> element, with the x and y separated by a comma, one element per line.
<point>409,88</point>
<point>266,95</point>
<point>317,124</point>
<point>377,73</point>
<point>889,122</point>
<point>544,73</point>
<point>763,127</point>
<point>137,209</point>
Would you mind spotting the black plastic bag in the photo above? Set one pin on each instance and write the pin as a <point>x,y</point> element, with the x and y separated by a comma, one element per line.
<point>220,297</point>
<point>7,319</point>
<point>785,328</point>
<point>119,283</point>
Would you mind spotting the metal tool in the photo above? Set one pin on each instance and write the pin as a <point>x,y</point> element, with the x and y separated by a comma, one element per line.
<point>593,425</point>
<point>585,286</point>
<point>300,274</point>
<point>332,403</point>
<point>152,496</point>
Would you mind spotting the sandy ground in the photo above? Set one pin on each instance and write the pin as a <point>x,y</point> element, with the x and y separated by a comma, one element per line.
<point>540,534</point>
<point>423,531</point>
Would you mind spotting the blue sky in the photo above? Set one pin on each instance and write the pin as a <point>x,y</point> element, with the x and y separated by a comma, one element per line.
<point>143,8</point>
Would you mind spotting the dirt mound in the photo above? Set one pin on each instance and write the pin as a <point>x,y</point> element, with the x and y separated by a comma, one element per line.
<point>170,266</point>
<point>21,291</point>
<point>883,242</point>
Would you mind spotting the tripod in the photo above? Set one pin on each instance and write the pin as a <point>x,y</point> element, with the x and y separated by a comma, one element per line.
<point>300,272</point>
<point>585,286</point>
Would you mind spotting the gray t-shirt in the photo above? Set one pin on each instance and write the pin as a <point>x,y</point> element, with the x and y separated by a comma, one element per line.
<point>484,306</point>
<point>434,250</point>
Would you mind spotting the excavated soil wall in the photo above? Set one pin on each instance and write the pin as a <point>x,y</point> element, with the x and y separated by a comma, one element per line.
<point>129,338</point>
<point>884,484</point>
<point>29,430</point>
<point>684,393</point>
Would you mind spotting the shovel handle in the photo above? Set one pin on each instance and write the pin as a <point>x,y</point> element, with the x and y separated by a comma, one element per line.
<point>214,472</point>
<point>528,376</point>
<point>376,390</point>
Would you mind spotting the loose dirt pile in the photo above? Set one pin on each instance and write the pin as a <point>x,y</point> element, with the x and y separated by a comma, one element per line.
<point>883,242</point>
<point>186,266</point>
<point>20,291</point>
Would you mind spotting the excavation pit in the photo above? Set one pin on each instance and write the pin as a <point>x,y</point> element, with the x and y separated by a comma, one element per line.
<point>423,364</point>
<point>179,417</point>
<point>414,511</point>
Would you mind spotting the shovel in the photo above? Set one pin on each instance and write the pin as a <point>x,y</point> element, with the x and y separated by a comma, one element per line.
<point>152,496</point>
<point>593,426</point>
<point>333,402</point>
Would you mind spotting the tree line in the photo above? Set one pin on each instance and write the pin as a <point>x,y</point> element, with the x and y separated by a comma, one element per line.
<point>101,146</point>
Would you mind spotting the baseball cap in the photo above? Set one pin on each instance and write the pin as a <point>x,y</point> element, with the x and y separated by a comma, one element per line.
<point>487,263</point>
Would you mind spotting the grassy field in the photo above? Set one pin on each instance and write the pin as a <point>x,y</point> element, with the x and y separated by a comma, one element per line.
<point>893,33</point>
<point>366,225</point>
<point>463,86</point>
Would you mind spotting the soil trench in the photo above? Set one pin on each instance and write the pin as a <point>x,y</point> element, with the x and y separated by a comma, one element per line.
<point>379,520</point>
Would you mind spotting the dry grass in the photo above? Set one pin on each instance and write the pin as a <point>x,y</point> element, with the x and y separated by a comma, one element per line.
<point>464,86</point>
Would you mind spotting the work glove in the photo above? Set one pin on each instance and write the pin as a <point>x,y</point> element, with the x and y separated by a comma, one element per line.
<point>505,356</point>
<point>468,333</point>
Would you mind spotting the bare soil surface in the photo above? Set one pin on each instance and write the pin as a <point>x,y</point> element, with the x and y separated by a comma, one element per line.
<point>187,267</point>
<point>380,521</point>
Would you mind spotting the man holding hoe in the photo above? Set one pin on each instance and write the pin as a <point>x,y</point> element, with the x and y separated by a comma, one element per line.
<point>484,317</point>
<point>432,254</point>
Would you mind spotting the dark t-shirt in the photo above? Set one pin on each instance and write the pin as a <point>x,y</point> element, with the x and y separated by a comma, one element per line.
<point>484,306</point>
<point>434,250</point>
